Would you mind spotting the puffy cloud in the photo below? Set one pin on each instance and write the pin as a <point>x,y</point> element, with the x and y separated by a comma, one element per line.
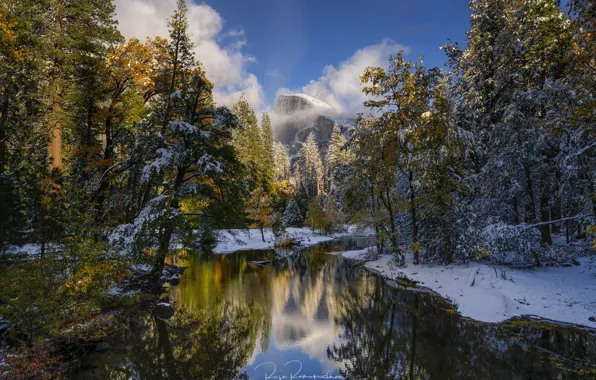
<point>251,87</point>
<point>234,33</point>
<point>220,53</point>
<point>340,87</point>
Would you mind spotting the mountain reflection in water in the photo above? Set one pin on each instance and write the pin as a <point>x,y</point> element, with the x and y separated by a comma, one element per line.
<point>319,314</point>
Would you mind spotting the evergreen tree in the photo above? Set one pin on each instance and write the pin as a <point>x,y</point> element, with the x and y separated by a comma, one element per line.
<point>334,217</point>
<point>268,151</point>
<point>282,162</point>
<point>75,40</point>
<point>315,217</point>
<point>311,168</point>
<point>187,155</point>
<point>23,136</point>
<point>506,112</point>
<point>249,143</point>
<point>293,216</point>
<point>133,73</point>
<point>337,155</point>
<point>575,120</point>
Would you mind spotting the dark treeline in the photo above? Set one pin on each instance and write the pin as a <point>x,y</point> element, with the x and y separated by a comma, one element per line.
<point>484,158</point>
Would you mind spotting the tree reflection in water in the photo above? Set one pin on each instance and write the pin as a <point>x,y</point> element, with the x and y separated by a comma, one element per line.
<point>232,315</point>
<point>193,344</point>
<point>392,333</point>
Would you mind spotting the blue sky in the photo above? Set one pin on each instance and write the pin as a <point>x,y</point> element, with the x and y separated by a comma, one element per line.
<point>265,47</point>
<point>296,39</point>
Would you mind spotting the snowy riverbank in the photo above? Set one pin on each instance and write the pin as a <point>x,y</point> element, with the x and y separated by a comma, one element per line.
<point>497,293</point>
<point>238,240</point>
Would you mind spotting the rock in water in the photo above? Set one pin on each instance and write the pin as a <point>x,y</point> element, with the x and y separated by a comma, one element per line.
<point>163,310</point>
<point>260,262</point>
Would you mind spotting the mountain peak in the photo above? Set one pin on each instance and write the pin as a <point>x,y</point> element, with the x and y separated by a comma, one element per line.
<point>292,103</point>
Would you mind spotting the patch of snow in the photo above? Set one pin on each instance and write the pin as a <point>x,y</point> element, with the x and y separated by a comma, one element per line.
<point>119,291</point>
<point>355,229</point>
<point>164,158</point>
<point>314,101</point>
<point>141,267</point>
<point>32,249</point>
<point>355,255</point>
<point>176,95</point>
<point>348,124</point>
<point>497,293</point>
<point>115,291</point>
<point>238,240</point>
<point>208,164</point>
<point>183,126</point>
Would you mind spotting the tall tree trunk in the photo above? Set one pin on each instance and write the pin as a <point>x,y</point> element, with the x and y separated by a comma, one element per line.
<point>374,216</point>
<point>556,214</point>
<point>448,248</point>
<point>531,205</point>
<point>168,230</point>
<point>393,238</point>
<point>3,132</point>
<point>55,147</point>
<point>545,235</point>
<point>56,110</point>
<point>413,212</point>
<point>592,195</point>
<point>162,252</point>
<point>107,155</point>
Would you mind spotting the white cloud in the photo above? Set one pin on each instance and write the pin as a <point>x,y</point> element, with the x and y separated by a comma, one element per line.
<point>340,87</point>
<point>225,64</point>
<point>249,85</point>
<point>235,33</point>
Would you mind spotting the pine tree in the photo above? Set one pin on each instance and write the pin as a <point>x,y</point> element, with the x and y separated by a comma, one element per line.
<point>311,168</point>
<point>577,125</point>
<point>334,217</point>
<point>512,104</point>
<point>185,145</point>
<point>315,217</point>
<point>268,151</point>
<point>249,143</point>
<point>293,216</point>
<point>337,155</point>
<point>282,162</point>
<point>131,80</point>
<point>84,29</point>
<point>23,135</point>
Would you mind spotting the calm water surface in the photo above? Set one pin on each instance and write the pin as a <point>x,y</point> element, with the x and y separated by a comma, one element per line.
<point>312,315</point>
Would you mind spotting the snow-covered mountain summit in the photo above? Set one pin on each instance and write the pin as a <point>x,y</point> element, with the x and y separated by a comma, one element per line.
<point>295,116</point>
<point>290,104</point>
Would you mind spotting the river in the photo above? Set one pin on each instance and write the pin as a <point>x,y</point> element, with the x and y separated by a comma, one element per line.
<point>315,315</point>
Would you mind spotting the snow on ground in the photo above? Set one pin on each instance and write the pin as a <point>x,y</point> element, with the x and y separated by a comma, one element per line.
<point>238,240</point>
<point>31,249</point>
<point>355,255</point>
<point>497,293</point>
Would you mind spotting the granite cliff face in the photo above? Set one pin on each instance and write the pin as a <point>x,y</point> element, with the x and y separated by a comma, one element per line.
<point>290,104</point>
<point>298,115</point>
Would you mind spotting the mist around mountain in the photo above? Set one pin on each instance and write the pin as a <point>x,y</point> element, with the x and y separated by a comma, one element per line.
<point>296,116</point>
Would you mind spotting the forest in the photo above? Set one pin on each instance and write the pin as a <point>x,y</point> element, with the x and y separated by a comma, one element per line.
<point>114,155</point>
